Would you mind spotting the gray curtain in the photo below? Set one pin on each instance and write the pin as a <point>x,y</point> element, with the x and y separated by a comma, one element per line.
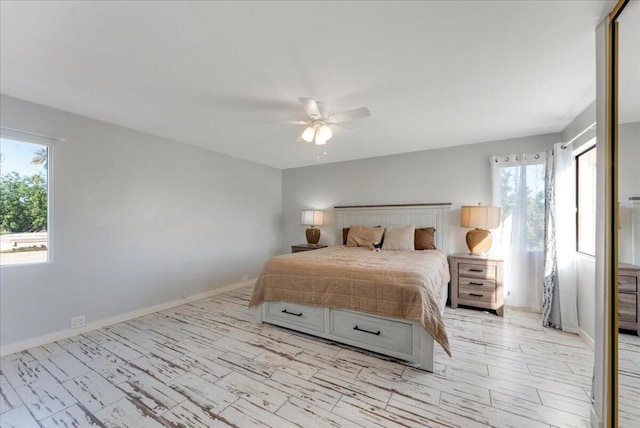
<point>550,312</point>
<point>560,295</point>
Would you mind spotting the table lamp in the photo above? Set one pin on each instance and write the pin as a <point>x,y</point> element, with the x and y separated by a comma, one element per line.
<point>312,218</point>
<point>481,218</point>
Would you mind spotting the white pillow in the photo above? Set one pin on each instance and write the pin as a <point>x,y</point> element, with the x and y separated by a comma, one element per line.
<point>399,238</point>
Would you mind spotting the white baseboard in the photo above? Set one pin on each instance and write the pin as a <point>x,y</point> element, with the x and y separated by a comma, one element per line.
<point>64,334</point>
<point>587,339</point>
<point>595,421</point>
<point>534,309</point>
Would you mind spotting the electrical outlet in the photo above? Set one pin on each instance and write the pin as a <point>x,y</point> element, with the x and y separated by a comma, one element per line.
<point>183,295</point>
<point>509,293</point>
<point>245,278</point>
<point>78,322</point>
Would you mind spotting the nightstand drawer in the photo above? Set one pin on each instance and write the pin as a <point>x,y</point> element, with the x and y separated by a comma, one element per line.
<point>477,270</point>
<point>486,295</point>
<point>477,284</point>
<point>627,283</point>
<point>627,308</point>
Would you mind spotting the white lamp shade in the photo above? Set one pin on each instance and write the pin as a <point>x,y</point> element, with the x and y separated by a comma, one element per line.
<point>480,216</point>
<point>308,134</point>
<point>324,132</point>
<point>312,217</point>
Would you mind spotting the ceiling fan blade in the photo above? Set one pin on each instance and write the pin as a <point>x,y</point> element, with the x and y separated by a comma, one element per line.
<point>339,130</point>
<point>322,108</point>
<point>297,122</point>
<point>357,113</point>
<point>310,106</point>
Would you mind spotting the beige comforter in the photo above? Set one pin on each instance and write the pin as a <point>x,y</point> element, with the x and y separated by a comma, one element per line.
<point>401,284</point>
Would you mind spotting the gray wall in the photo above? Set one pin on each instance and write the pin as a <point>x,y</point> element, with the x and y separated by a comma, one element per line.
<point>137,220</point>
<point>460,175</point>
<point>629,185</point>
<point>574,130</point>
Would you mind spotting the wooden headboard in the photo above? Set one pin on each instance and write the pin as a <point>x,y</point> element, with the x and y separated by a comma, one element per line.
<point>420,215</point>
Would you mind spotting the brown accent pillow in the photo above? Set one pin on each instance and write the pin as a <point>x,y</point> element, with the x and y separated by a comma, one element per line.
<point>425,239</point>
<point>363,236</point>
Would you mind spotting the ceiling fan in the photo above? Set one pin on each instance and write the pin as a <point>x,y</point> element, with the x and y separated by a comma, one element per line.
<point>320,123</point>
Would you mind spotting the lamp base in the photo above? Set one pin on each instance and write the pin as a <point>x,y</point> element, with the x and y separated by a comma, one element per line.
<point>479,241</point>
<point>313,235</point>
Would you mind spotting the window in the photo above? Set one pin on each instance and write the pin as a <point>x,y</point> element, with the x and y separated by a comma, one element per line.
<point>519,188</point>
<point>586,201</point>
<point>24,206</point>
<point>522,194</point>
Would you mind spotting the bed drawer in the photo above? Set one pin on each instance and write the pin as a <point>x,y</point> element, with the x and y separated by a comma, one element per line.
<point>477,270</point>
<point>371,331</point>
<point>309,317</point>
<point>627,283</point>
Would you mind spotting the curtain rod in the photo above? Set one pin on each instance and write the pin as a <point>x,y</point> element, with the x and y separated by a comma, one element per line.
<point>565,145</point>
<point>32,134</point>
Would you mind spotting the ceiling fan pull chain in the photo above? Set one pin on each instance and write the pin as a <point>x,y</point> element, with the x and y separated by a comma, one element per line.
<point>321,151</point>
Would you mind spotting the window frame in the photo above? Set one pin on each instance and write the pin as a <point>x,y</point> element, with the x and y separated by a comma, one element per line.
<point>577,178</point>
<point>48,142</point>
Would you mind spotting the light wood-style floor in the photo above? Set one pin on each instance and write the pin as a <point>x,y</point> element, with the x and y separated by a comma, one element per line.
<point>629,380</point>
<point>206,364</point>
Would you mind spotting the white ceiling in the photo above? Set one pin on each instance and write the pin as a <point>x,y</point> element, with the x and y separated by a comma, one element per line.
<point>224,76</point>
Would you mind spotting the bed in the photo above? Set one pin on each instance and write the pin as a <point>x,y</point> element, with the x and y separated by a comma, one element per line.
<point>389,302</point>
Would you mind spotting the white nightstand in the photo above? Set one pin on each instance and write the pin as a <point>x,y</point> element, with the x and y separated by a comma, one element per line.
<point>477,281</point>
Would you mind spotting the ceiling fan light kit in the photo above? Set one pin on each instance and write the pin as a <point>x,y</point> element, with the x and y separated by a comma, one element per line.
<point>319,123</point>
<point>309,134</point>
<point>324,132</point>
<point>318,131</point>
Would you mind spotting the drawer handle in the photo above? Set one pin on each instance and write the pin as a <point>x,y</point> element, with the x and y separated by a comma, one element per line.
<point>476,283</point>
<point>284,311</point>
<point>377,333</point>
<point>476,270</point>
<point>476,295</point>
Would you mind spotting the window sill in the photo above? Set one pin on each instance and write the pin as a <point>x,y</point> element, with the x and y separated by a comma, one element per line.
<point>585,256</point>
